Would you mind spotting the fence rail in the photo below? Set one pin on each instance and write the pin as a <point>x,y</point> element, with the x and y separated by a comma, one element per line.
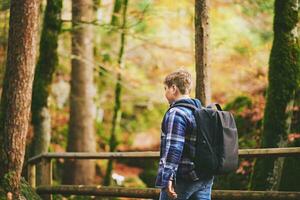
<point>45,187</point>
<point>243,153</point>
<point>154,193</point>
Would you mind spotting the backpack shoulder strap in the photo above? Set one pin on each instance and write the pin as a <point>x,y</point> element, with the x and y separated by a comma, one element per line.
<point>216,105</point>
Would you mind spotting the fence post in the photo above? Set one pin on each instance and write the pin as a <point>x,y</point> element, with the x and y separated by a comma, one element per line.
<point>31,175</point>
<point>44,175</point>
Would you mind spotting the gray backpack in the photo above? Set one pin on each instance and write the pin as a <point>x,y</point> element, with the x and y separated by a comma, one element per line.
<point>217,140</point>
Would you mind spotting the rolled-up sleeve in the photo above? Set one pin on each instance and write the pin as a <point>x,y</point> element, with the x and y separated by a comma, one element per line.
<point>171,146</point>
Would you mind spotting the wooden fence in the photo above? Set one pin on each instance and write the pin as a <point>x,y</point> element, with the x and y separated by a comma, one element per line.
<point>46,189</point>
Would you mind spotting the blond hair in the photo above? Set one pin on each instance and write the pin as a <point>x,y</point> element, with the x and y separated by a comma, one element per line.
<point>182,79</point>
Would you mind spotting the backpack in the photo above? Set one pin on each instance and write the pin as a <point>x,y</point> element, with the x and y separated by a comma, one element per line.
<point>216,150</point>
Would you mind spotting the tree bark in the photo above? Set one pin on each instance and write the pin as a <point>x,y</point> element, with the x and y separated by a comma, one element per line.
<point>17,90</point>
<point>81,136</point>
<point>47,63</point>
<point>203,91</point>
<point>283,82</point>
<point>118,89</point>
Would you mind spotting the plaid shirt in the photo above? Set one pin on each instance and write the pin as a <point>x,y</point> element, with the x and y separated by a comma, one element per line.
<point>177,144</point>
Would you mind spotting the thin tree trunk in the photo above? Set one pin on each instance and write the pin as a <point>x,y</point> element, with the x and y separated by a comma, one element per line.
<point>48,61</point>
<point>118,91</point>
<point>115,18</point>
<point>81,137</point>
<point>203,91</point>
<point>17,91</point>
<point>283,80</point>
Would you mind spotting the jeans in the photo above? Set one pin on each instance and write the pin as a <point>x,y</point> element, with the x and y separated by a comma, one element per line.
<point>190,190</point>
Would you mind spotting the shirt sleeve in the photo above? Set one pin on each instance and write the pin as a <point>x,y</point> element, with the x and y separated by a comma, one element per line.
<point>175,127</point>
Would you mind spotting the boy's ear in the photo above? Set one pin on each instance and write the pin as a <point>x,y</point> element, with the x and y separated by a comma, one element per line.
<point>174,88</point>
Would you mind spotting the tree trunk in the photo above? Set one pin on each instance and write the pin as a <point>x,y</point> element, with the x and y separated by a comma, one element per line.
<point>48,61</point>
<point>17,90</point>
<point>203,91</point>
<point>283,80</point>
<point>118,91</point>
<point>81,137</point>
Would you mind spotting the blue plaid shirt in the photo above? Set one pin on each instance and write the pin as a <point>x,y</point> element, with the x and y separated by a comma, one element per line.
<point>177,147</point>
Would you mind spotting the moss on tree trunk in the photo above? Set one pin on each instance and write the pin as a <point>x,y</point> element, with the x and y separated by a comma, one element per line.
<point>291,168</point>
<point>283,82</point>
<point>26,191</point>
<point>47,63</point>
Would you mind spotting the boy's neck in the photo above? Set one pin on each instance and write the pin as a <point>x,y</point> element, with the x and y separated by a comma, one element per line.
<point>186,96</point>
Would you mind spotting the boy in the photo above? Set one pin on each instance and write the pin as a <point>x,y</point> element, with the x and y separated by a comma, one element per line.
<point>177,177</point>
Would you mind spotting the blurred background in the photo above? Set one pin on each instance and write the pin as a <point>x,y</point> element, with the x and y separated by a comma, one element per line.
<point>157,38</point>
